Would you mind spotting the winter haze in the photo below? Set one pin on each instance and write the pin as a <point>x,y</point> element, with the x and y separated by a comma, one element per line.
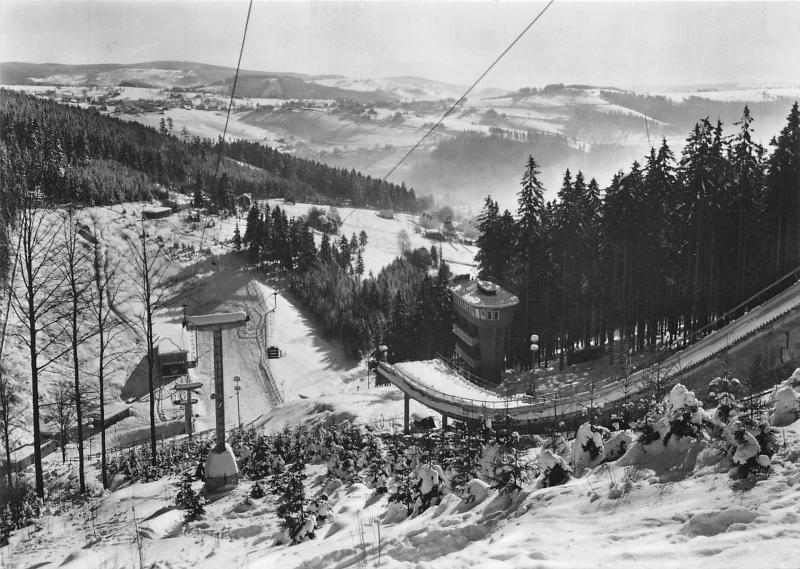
<point>315,296</point>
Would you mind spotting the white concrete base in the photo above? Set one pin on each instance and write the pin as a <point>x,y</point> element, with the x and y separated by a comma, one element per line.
<point>222,474</point>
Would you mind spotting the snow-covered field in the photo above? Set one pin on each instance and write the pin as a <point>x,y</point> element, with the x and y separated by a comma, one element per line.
<point>738,95</point>
<point>384,243</point>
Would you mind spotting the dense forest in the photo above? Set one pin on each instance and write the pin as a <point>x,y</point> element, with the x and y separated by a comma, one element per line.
<point>403,306</point>
<point>69,154</point>
<point>670,245</point>
<point>682,114</point>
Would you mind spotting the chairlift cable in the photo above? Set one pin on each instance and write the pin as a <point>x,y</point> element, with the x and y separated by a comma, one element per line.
<point>464,96</point>
<point>221,142</point>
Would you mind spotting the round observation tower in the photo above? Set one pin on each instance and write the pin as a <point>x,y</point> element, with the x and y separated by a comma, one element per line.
<point>483,315</point>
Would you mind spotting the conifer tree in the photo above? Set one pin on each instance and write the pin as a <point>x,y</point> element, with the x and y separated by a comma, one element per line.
<point>783,195</point>
<point>237,238</point>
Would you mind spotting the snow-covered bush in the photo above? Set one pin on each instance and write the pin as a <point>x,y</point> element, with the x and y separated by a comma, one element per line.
<point>418,490</point>
<point>588,448</point>
<point>785,405</point>
<point>320,509</point>
<point>684,413</point>
<point>680,415</point>
<point>257,491</point>
<point>430,487</point>
<point>616,445</point>
<point>476,491</point>
<point>555,470</point>
<point>745,447</point>
<point>723,390</point>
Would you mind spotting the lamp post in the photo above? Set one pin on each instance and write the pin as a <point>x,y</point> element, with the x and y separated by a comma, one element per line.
<point>534,350</point>
<point>237,388</point>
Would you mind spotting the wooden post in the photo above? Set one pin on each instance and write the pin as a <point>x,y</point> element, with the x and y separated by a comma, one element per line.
<point>406,400</point>
<point>444,422</point>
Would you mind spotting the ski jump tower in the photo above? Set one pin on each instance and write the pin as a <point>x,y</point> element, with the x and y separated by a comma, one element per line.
<point>220,469</point>
<point>483,315</point>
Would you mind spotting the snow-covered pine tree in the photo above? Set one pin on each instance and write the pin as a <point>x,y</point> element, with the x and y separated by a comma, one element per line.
<point>509,470</point>
<point>469,452</point>
<point>189,500</point>
<point>289,486</point>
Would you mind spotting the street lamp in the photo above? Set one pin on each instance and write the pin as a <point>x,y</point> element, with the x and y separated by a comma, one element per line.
<point>534,350</point>
<point>237,388</point>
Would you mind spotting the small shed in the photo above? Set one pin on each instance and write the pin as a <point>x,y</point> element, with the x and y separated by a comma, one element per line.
<point>173,364</point>
<point>434,234</point>
<point>156,212</point>
<point>386,213</point>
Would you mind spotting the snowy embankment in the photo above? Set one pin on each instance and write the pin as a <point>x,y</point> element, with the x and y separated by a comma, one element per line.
<point>668,502</point>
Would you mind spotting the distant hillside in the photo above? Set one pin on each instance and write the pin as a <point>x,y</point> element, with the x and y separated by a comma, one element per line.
<point>183,75</point>
<point>79,155</point>
<point>285,87</point>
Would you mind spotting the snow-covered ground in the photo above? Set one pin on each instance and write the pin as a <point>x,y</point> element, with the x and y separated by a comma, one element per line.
<point>384,243</point>
<point>659,507</point>
<point>737,95</point>
<point>310,365</point>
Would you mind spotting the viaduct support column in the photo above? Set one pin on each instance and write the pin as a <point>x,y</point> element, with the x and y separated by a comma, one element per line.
<point>406,400</point>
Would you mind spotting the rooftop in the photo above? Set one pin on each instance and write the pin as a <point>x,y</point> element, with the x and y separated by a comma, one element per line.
<point>220,319</point>
<point>484,294</point>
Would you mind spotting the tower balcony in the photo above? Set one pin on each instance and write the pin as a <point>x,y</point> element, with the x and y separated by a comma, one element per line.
<point>465,355</point>
<point>464,336</point>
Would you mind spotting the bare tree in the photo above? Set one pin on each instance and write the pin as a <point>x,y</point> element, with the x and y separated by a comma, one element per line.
<point>36,301</point>
<point>9,396</point>
<point>149,267</point>
<point>75,268</point>
<point>10,400</point>
<point>108,326</point>
<point>59,411</point>
<point>403,241</point>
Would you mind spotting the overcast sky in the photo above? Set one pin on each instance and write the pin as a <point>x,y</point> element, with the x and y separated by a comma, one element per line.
<point>609,43</point>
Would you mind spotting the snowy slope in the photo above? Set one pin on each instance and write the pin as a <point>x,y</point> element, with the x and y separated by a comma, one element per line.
<point>383,235</point>
<point>670,508</point>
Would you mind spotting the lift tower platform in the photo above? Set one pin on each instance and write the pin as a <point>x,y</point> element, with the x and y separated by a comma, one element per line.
<point>221,471</point>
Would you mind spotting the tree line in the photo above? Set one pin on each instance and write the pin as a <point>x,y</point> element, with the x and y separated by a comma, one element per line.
<point>80,155</point>
<point>670,245</point>
<point>403,306</point>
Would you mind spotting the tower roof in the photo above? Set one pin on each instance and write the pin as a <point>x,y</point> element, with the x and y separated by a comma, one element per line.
<point>485,294</point>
